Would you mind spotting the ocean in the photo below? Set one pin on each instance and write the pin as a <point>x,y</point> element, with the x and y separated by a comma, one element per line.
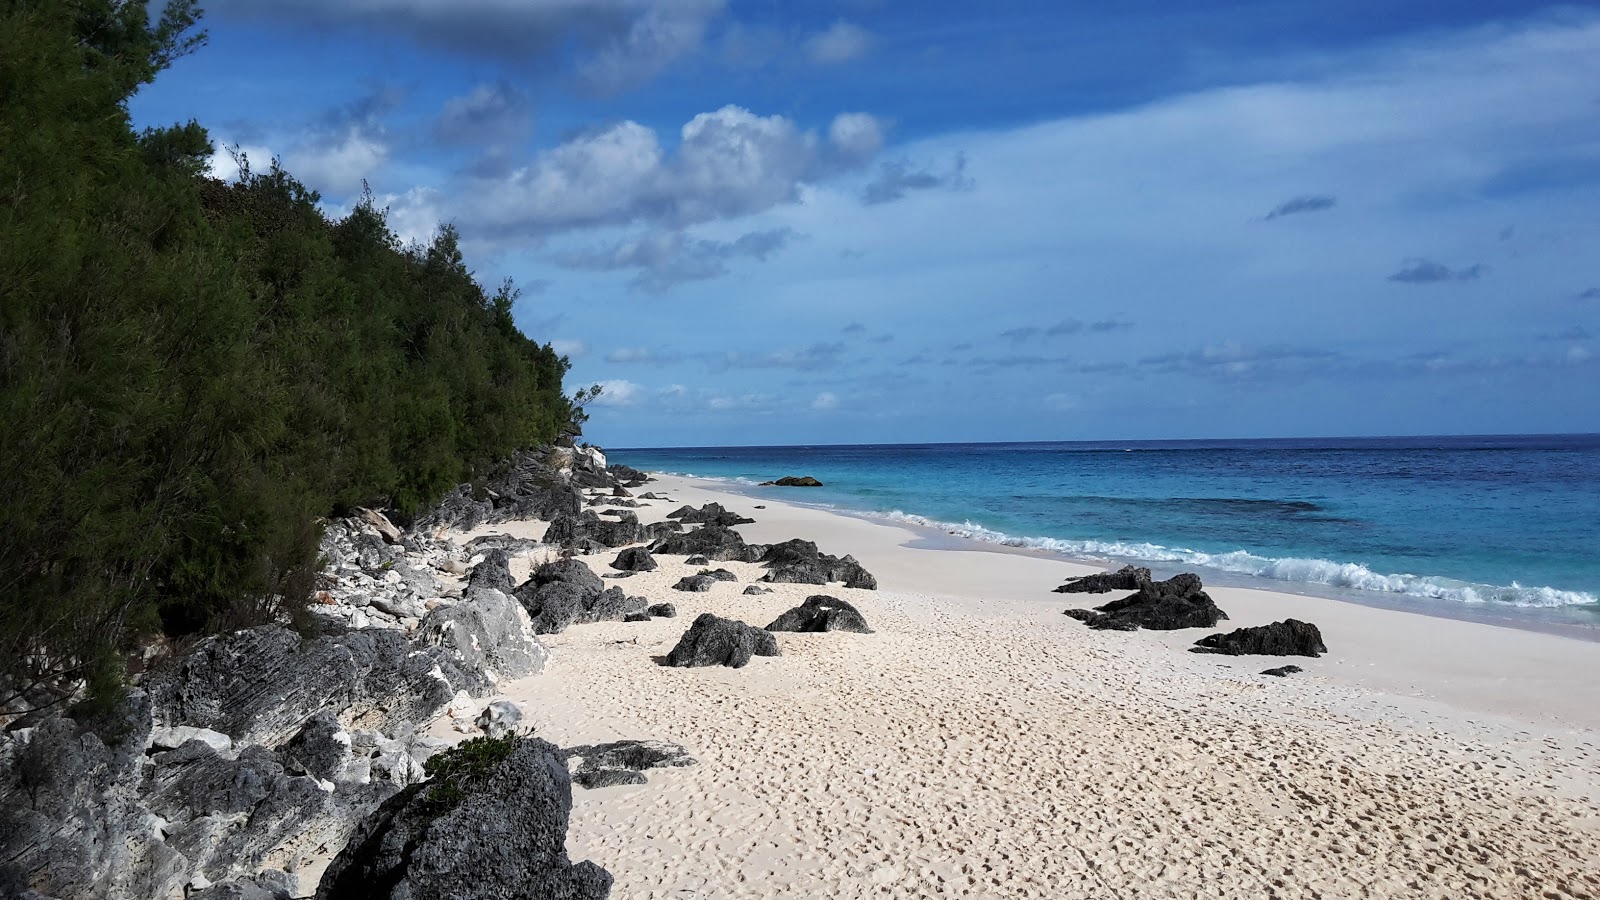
<point>1486,527</point>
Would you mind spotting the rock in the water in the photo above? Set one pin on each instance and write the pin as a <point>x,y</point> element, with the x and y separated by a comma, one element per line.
<point>712,542</point>
<point>800,562</point>
<point>634,559</point>
<point>494,573</point>
<point>486,631</point>
<point>1282,671</point>
<point>624,762</point>
<point>499,718</point>
<point>696,560</point>
<point>490,831</point>
<point>792,481</point>
<point>1167,605</point>
<point>821,613</point>
<point>662,611</point>
<point>1291,637</point>
<point>755,589</point>
<point>1127,578</point>
<point>715,641</point>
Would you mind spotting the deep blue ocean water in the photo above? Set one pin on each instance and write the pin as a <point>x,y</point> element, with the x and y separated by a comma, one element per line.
<point>1506,525</point>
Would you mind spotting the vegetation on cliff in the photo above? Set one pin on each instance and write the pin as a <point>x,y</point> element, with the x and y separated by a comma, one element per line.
<point>193,372</point>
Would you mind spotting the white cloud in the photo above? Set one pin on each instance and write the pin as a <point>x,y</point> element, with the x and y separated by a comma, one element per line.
<point>840,42</point>
<point>825,401</point>
<point>618,392</point>
<point>858,136</point>
<point>629,355</point>
<point>569,349</point>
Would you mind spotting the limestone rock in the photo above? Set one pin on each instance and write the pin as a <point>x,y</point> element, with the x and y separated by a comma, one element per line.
<point>821,613</point>
<point>715,641</point>
<point>1127,578</point>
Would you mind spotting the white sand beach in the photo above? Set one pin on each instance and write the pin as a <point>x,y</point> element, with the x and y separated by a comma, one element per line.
<point>982,744</point>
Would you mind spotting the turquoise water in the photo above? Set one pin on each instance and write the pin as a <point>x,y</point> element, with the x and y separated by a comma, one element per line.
<point>1507,525</point>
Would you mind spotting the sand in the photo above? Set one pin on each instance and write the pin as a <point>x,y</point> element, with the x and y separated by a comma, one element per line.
<point>981,744</point>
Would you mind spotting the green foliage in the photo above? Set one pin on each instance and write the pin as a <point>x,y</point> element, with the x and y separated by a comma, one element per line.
<point>454,773</point>
<point>192,372</point>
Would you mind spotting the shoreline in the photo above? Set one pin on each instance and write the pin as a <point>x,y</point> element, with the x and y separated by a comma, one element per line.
<point>978,720</point>
<point>1520,618</point>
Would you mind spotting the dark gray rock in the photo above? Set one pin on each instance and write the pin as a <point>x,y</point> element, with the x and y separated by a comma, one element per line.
<point>821,613</point>
<point>800,562</point>
<point>574,531</point>
<point>1127,578</point>
<point>321,749</point>
<point>638,617</point>
<point>709,514</point>
<point>1282,671</point>
<point>701,581</point>
<point>486,631</point>
<point>624,762</point>
<point>514,546</point>
<point>612,605</point>
<point>458,510</point>
<point>655,531</point>
<point>571,571</point>
<point>1291,637</point>
<point>506,838</point>
<point>756,589</point>
<point>792,481</point>
<point>273,884</point>
<point>696,560</point>
<point>494,573</point>
<point>627,475</point>
<point>620,491</point>
<point>1167,605</point>
<point>662,611</point>
<point>634,559</point>
<point>711,541</point>
<point>556,606</point>
<point>715,641</point>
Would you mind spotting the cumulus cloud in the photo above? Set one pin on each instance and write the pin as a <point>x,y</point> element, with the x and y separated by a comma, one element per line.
<point>488,114</point>
<point>839,43</point>
<point>618,392</point>
<point>825,401</point>
<point>1302,204</point>
<point>664,259</point>
<point>1426,271</point>
<point>896,178</point>
<point>617,44</point>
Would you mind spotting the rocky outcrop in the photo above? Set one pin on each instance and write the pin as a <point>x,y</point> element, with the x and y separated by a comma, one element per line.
<point>471,836</point>
<point>1167,605</point>
<point>486,632</point>
<point>459,510</point>
<point>567,592</point>
<point>627,475</point>
<point>1291,637</point>
<point>571,571</point>
<point>586,528</point>
<point>493,573</point>
<point>634,559</point>
<point>712,542</point>
<point>709,514</point>
<point>715,641</point>
<point>800,562</point>
<point>792,481</point>
<point>624,762</point>
<point>821,613</point>
<point>702,581</point>
<point>1127,578</point>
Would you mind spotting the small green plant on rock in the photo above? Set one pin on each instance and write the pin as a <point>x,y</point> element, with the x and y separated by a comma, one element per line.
<point>455,772</point>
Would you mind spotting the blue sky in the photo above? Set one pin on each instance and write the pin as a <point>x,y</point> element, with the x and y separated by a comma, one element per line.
<point>869,221</point>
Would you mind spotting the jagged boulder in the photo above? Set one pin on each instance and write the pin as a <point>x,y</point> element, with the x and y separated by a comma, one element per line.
<point>655,531</point>
<point>756,589</point>
<point>821,613</point>
<point>709,514</point>
<point>800,562</point>
<point>486,631</point>
<point>624,762</point>
<point>1291,637</point>
<point>493,573</point>
<point>715,641</point>
<point>634,559</point>
<point>573,531</point>
<point>513,546</point>
<point>702,581</point>
<point>711,541</point>
<point>1167,605</point>
<point>571,571</point>
<point>494,829</point>
<point>627,475</point>
<point>458,510</point>
<point>1127,578</point>
<point>321,750</point>
<point>662,611</point>
<point>696,560</point>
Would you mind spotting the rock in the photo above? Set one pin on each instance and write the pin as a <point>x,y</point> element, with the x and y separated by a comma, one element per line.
<point>260,685</point>
<point>496,831</point>
<point>555,606</point>
<point>658,530</point>
<point>709,514</point>
<point>457,510</point>
<point>571,571</point>
<point>620,491</point>
<point>499,718</point>
<point>173,738</point>
<point>624,762</point>
<point>567,592</point>
<point>513,546</point>
<point>380,522</point>
<point>662,611</point>
<point>1291,637</point>
<point>800,562</point>
<point>321,750</point>
<point>1283,671</point>
<point>494,573</point>
<point>701,581</point>
<point>634,559</point>
<point>637,617</point>
<point>755,589</point>
<point>792,481</point>
<point>759,506</point>
<point>1167,605</point>
<point>627,474</point>
<point>488,632</point>
<point>712,542</point>
<point>619,574</point>
<point>696,560</point>
<point>715,641</point>
<point>573,530</point>
<point>654,496</point>
<point>612,605</point>
<point>274,884</point>
<point>1127,578</point>
<point>821,613</point>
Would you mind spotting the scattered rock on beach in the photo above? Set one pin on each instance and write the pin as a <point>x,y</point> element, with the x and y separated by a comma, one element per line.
<point>662,611</point>
<point>792,481</point>
<point>712,542</point>
<point>821,613</point>
<point>696,560</point>
<point>494,573</point>
<point>1283,671</point>
<point>1167,605</point>
<point>1127,578</point>
<point>1291,637</point>
<point>800,562</point>
<point>754,589</point>
<point>575,531</point>
<point>710,514</point>
<point>715,641</point>
<point>634,559</point>
<point>624,762</point>
<point>701,581</point>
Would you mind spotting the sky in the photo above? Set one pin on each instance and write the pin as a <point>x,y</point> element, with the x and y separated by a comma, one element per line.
<point>868,221</point>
